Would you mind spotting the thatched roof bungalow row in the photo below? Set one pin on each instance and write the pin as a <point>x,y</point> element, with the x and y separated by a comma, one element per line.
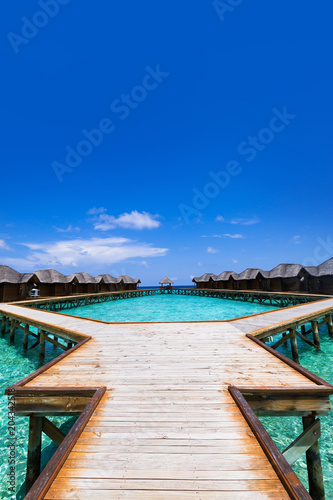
<point>282,278</point>
<point>52,283</point>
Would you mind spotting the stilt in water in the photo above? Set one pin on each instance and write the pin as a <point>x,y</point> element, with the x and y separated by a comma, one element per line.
<point>315,471</point>
<point>294,348</point>
<point>12,331</point>
<point>34,451</point>
<point>315,331</point>
<point>42,346</point>
<point>330,325</point>
<point>26,337</point>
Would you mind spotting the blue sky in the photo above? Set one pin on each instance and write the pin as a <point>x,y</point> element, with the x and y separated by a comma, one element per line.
<point>148,139</point>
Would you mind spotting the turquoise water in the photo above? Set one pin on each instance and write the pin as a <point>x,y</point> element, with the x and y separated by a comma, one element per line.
<point>284,430</point>
<point>168,307</point>
<point>15,364</point>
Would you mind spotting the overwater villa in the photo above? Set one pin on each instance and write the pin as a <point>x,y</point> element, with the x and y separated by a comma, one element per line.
<point>52,283</point>
<point>282,278</point>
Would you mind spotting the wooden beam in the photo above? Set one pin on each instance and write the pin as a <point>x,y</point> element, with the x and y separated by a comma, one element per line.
<point>282,340</point>
<point>50,405</point>
<point>52,431</point>
<point>303,442</point>
<point>288,404</point>
<point>301,336</point>
<point>42,346</point>
<point>34,452</point>
<point>315,471</point>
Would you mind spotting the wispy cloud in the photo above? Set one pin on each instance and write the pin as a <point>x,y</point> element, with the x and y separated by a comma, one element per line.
<point>96,211</point>
<point>234,236</point>
<point>296,239</point>
<point>219,218</point>
<point>245,222</point>
<point>85,253</point>
<point>69,229</point>
<point>226,235</point>
<point>234,261</point>
<point>212,250</point>
<point>132,220</point>
<point>145,264</point>
<point>3,245</point>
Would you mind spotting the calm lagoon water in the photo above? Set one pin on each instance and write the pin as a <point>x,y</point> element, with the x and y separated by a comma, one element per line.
<point>15,364</point>
<point>168,307</point>
<point>285,430</point>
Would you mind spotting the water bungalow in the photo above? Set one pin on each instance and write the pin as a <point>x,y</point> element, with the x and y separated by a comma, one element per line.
<point>128,283</point>
<point>282,278</point>
<point>166,281</point>
<point>51,283</point>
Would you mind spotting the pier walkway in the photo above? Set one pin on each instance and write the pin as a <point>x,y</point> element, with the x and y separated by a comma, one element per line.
<point>167,426</point>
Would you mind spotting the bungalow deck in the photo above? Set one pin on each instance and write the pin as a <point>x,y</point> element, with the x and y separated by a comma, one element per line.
<point>168,408</point>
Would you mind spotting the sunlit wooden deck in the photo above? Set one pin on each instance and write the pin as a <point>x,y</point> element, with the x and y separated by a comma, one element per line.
<point>167,426</point>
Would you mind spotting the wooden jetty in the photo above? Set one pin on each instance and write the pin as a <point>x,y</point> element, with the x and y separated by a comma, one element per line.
<point>170,410</point>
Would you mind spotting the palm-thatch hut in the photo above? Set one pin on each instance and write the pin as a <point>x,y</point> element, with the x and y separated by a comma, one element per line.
<point>9,284</point>
<point>85,283</point>
<point>204,281</point>
<point>108,283</point>
<point>321,277</point>
<point>127,283</point>
<point>225,280</point>
<point>166,281</point>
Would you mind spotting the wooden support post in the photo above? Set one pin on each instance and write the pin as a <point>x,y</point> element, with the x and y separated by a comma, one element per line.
<point>34,451</point>
<point>3,325</point>
<point>315,471</point>
<point>69,345</point>
<point>294,348</point>
<point>315,331</point>
<point>330,325</point>
<point>26,337</point>
<point>12,331</point>
<point>42,346</point>
<point>303,330</point>
<point>56,338</point>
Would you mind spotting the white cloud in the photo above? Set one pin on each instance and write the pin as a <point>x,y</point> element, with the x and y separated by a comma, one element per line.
<point>234,236</point>
<point>133,220</point>
<point>245,222</point>
<point>199,263</point>
<point>219,218</point>
<point>3,245</point>
<point>96,211</point>
<point>69,229</point>
<point>235,261</point>
<point>145,264</point>
<point>227,235</point>
<point>85,253</point>
<point>296,239</point>
<point>212,250</point>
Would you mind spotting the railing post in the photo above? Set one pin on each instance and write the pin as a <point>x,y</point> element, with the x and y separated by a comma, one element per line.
<point>3,325</point>
<point>34,451</point>
<point>315,471</point>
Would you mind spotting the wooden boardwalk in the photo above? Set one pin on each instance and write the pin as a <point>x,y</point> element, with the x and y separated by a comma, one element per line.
<point>167,426</point>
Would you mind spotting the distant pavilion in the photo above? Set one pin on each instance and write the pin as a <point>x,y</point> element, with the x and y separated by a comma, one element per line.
<point>166,281</point>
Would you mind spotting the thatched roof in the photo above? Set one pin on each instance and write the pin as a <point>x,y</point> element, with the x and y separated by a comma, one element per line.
<point>280,271</point>
<point>9,275</point>
<point>128,280</point>
<point>107,278</point>
<point>204,278</point>
<point>50,276</point>
<point>248,274</point>
<point>225,276</point>
<point>166,281</point>
<point>82,278</point>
